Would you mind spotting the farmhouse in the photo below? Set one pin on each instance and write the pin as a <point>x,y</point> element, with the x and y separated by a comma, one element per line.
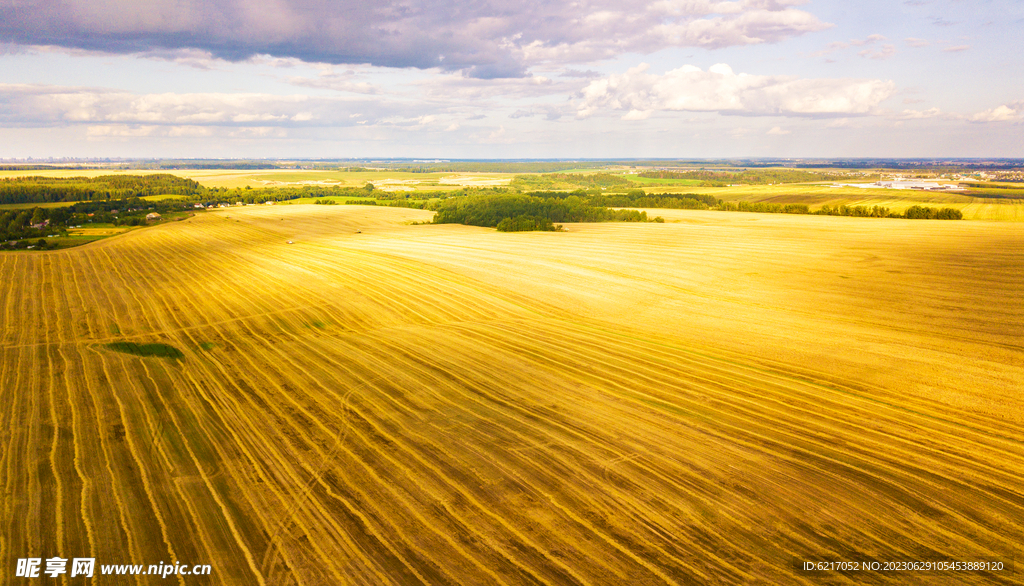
<point>152,216</point>
<point>923,185</point>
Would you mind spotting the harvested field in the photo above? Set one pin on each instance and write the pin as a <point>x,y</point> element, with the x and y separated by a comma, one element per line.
<point>111,231</point>
<point>710,400</point>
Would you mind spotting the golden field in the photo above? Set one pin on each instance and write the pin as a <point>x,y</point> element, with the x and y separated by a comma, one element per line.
<point>706,401</point>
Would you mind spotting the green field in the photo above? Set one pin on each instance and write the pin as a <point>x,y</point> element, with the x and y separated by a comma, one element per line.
<point>27,206</point>
<point>657,183</point>
<point>1000,202</point>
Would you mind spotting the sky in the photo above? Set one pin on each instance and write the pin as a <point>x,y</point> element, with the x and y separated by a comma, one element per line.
<point>485,79</point>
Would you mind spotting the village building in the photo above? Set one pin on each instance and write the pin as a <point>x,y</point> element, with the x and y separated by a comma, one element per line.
<point>152,216</point>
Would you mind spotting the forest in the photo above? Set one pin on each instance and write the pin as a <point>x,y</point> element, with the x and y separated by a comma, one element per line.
<point>570,180</point>
<point>747,177</point>
<point>19,190</point>
<point>490,210</point>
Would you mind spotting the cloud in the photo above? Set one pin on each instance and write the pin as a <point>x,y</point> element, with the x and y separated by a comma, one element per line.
<point>956,48</point>
<point>454,88</point>
<point>831,48</point>
<point>576,73</point>
<point>549,111</point>
<point>915,42</point>
<point>871,39</point>
<point>486,39</point>
<point>885,52</point>
<point>721,90</point>
<point>339,82</point>
<point>1006,113</point>
<point>497,136</point>
<point>919,114</point>
<point>35,106</point>
<point>127,132</point>
<point>777,131</point>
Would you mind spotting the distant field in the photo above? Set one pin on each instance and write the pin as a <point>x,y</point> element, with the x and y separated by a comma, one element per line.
<point>655,182</point>
<point>898,200</point>
<point>704,401</point>
<point>98,231</point>
<point>19,206</point>
<point>291,178</point>
<point>80,172</point>
<point>815,195</point>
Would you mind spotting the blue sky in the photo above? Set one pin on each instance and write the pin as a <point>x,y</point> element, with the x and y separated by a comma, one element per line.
<point>530,79</point>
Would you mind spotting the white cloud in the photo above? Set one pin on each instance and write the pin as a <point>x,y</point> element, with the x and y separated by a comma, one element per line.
<point>453,88</point>
<point>637,115</point>
<point>831,48</point>
<point>885,52</point>
<point>497,136</point>
<point>336,83</point>
<point>778,131</point>
<point>721,90</point>
<point>919,114</point>
<point>1004,113</point>
<point>915,42</point>
<point>347,81</point>
<point>956,48</point>
<point>871,39</point>
<point>23,105</point>
<point>126,131</point>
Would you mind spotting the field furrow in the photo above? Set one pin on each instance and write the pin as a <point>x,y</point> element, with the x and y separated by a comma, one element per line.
<point>700,402</point>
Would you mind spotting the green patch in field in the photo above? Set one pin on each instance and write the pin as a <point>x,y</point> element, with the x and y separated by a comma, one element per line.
<point>49,204</point>
<point>340,199</point>
<point>207,346</point>
<point>162,196</point>
<point>660,182</point>
<point>114,329</point>
<point>316,324</point>
<point>156,349</point>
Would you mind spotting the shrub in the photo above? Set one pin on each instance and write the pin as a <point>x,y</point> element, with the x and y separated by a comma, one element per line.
<point>527,224</point>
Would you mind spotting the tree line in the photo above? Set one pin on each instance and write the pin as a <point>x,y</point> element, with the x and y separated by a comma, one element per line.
<point>915,212</point>
<point>711,178</point>
<point>105,187</point>
<point>637,198</point>
<point>522,211</point>
<point>581,180</point>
